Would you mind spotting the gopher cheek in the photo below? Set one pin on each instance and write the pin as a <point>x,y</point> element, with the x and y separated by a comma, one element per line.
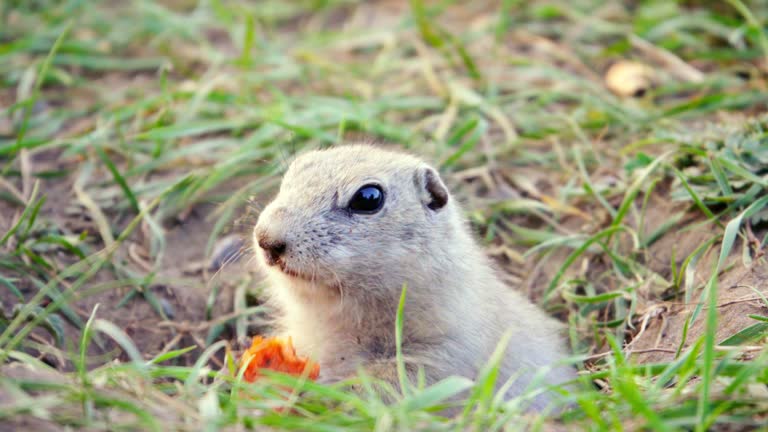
<point>342,256</point>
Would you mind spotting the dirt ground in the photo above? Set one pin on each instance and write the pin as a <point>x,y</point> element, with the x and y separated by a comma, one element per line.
<point>188,279</point>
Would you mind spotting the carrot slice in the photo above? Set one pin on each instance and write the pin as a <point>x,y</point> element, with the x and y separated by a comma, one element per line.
<point>276,354</point>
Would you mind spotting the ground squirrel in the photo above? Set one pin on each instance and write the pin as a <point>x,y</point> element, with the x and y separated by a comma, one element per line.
<point>349,226</point>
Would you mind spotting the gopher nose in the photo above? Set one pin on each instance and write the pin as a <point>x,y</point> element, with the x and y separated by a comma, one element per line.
<point>273,248</point>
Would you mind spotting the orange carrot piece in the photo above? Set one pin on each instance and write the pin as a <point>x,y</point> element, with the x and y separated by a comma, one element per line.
<point>276,354</point>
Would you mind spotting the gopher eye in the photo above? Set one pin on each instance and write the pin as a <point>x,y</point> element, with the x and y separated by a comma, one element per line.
<point>367,200</point>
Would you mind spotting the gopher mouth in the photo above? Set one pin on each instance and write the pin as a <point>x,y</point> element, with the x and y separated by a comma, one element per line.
<point>280,264</point>
<point>313,280</point>
<point>283,267</point>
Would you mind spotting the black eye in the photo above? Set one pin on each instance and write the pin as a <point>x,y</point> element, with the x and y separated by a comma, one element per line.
<point>367,200</point>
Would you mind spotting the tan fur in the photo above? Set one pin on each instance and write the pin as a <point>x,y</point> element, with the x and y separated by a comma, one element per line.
<point>341,310</point>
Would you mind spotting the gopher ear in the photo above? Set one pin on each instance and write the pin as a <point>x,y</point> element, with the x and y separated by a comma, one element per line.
<point>433,192</point>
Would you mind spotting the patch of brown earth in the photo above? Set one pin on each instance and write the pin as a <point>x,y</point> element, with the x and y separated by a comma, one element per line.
<point>742,291</point>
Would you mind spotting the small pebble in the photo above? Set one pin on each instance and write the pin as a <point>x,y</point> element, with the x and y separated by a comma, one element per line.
<point>629,78</point>
<point>227,250</point>
<point>168,308</point>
